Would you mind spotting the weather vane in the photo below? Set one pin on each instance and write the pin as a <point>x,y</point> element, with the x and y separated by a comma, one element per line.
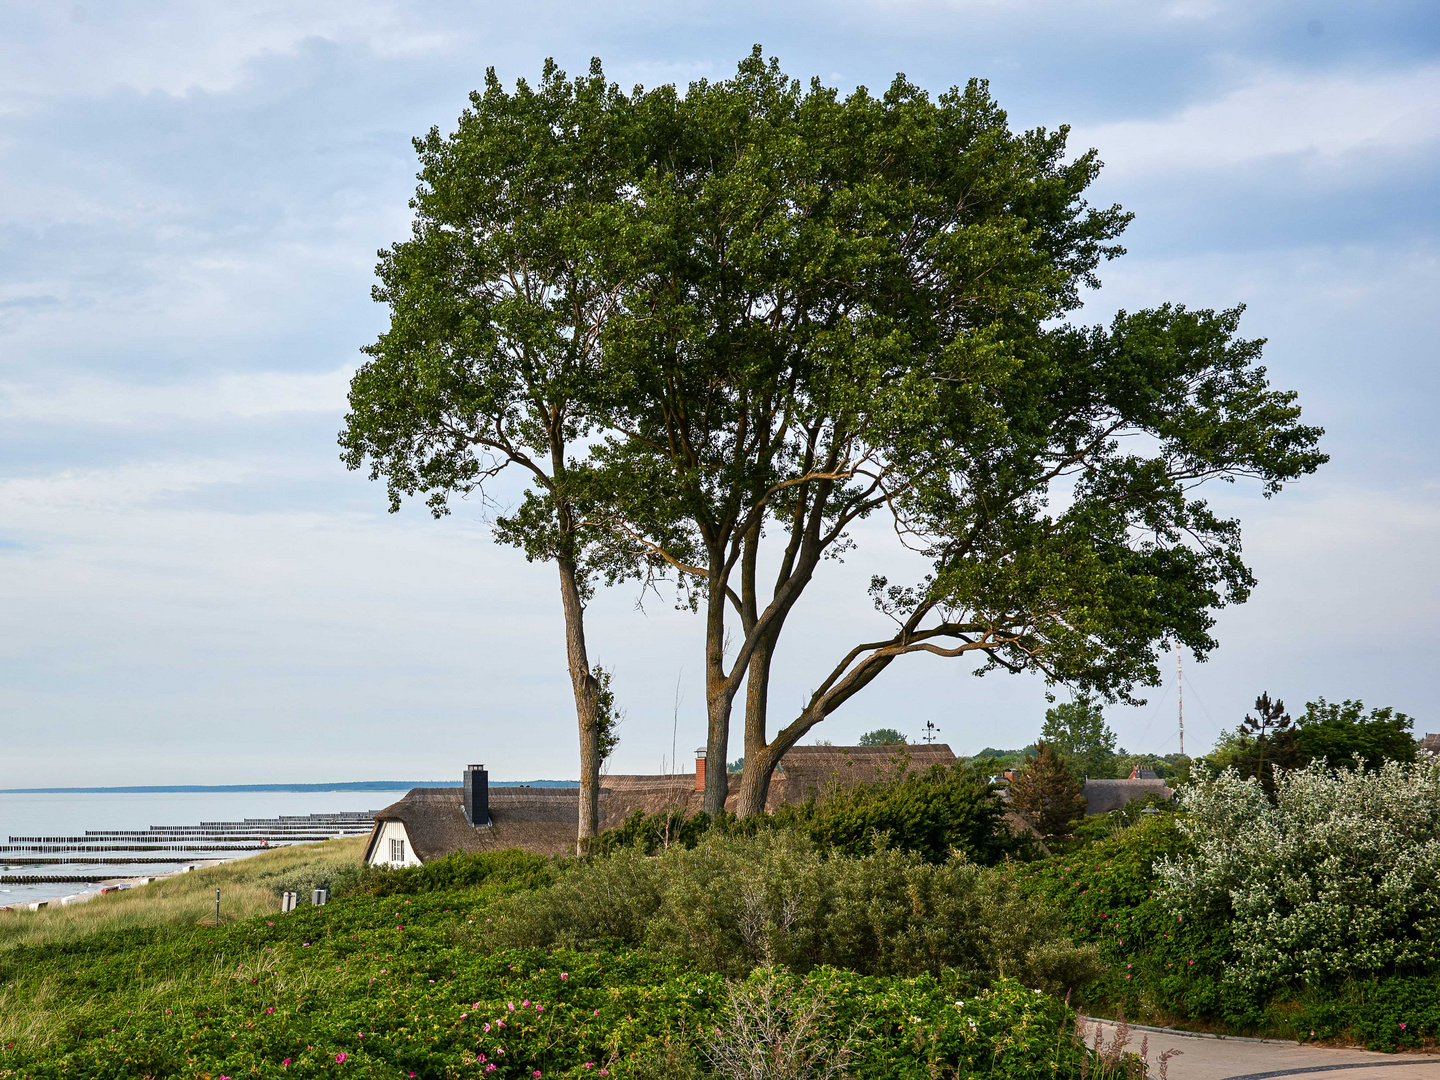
<point>930,730</point>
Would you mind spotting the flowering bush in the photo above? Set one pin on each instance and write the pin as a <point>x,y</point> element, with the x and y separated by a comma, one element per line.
<point>1338,878</point>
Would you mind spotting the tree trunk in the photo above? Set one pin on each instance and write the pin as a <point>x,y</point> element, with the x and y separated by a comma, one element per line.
<point>759,761</point>
<point>719,697</point>
<point>585,688</point>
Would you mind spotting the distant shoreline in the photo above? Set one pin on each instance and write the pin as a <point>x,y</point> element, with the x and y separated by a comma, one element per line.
<point>356,785</point>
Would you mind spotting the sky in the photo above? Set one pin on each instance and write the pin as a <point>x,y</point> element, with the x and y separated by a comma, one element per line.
<point>193,589</point>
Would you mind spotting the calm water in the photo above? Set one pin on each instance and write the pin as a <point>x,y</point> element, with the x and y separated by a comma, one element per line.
<point>72,815</point>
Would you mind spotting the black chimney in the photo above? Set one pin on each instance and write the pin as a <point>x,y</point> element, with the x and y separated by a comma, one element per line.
<point>477,795</point>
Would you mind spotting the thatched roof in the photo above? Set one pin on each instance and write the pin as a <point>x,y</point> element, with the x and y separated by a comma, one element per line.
<point>546,820</point>
<point>623,795</point>
<point>542,820</point>
<point>1431,743</point>
<point>1102,796</point>
<point>811,770</point>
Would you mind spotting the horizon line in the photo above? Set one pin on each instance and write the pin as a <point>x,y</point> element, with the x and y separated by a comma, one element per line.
<point>346,785</point>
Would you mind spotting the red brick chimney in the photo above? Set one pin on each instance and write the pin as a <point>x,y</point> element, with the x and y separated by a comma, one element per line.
<point>699,770</point>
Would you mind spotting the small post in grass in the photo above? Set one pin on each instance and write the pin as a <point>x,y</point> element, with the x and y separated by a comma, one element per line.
<point>217,907</point>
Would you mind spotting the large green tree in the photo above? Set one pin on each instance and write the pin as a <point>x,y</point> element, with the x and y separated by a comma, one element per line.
<point>1047,794</point>
<point>1078,731</point>
<point>857,308</point>
<point>1338,731</point>
<point>522,242</point>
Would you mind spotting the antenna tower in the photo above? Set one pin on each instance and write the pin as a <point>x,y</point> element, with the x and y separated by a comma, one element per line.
<point>1180,697</point>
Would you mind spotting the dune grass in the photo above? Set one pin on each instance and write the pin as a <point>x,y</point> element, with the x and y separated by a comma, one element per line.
<point>247,887</point>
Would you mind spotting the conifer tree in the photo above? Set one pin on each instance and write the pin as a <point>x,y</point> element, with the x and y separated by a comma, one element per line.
<point>1047,794</point>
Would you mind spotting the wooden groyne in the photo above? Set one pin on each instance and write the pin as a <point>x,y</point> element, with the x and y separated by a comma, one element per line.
<point>244,837</point>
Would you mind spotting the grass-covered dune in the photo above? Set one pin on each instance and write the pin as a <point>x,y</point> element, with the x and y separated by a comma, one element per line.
<point>248,887</point>
<point>406,977</point>
<point>893,933</point>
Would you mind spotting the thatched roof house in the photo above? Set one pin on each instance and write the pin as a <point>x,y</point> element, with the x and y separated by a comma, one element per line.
<point>430,822</point>
<point>1102,796</point>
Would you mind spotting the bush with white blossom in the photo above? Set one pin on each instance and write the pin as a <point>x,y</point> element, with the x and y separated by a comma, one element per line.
<point>1338,877</point>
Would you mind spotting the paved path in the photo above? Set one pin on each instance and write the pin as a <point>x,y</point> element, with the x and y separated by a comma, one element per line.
<point>1233,1059</point>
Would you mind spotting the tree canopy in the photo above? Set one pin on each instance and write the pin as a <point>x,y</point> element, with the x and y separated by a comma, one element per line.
<point>718,329</point>
<point>522,242</point>
<point>1338,731</point>
<point>1047,794</point>
<point>1333,732</point>
<point>858,308</point>
<point>885,736</point>
<point>1078,732</point>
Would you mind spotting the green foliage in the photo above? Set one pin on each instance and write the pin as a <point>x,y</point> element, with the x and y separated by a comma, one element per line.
<point>402,983</point>
<point>1077,730</point>
<point>1047,793</point>
<point>935,813</point>
<point>608,716</point>
<point>1333,876</point>
<point>1338,732</point>
<point>943,810</point>
<point>1265,743</point>
<point>651,833</point>
<point>492,871</point>
<point>1177,967</point>
<point>733,903</point>
<point>884,736</point>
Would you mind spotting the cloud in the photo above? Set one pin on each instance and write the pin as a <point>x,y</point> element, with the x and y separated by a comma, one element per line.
<point>88,400</point>
<point>1327,122</point>
<point>92,48</point>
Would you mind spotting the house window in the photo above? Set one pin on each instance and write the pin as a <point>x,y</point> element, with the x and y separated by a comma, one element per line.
<point>397,851</point>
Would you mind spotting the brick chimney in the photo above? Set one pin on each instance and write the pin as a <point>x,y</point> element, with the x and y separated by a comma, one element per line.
<point>700,770</point>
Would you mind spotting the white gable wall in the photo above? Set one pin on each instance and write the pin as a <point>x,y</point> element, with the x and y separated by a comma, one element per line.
<point>393,831</point>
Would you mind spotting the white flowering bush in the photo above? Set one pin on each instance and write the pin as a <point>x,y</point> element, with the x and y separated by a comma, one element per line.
<point>1340,876</point>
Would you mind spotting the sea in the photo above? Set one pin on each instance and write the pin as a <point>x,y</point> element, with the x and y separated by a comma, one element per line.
<point>73,813</point>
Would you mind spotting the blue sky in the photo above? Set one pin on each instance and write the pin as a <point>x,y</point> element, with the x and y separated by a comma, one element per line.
<point>193,589</point>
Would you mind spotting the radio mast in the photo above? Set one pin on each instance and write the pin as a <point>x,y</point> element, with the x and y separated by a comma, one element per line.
<point>1180,697</point>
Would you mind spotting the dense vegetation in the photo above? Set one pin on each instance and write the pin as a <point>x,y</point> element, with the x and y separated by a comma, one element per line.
<point>1212,918</point>
<point>403,978</point>
<point>832,937</point>
<point>935,813</point>
<point>733,903</point>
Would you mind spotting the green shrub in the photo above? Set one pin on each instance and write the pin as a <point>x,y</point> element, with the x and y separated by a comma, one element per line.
<point>495,871</point>
<point>1338,878</point>
<point>935,813</point>
<point>943,810</point>
<point>1169,967</point>
<point>397,986</point>
<point>733,903</point>
<point>650,833</point>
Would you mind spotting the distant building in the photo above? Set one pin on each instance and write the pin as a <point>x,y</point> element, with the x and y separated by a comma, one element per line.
<point>430,822</point>
<point>1102,796</point>
<point>1430,744</point>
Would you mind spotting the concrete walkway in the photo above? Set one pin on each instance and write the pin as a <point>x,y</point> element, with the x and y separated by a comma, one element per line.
<point>1203,1058</point>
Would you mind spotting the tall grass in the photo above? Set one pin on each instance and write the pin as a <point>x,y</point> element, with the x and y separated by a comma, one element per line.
<point>247,887</point>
